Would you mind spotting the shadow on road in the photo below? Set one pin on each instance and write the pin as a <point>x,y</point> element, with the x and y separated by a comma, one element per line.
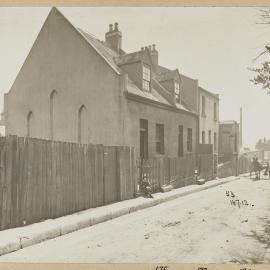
<point>263,237</point>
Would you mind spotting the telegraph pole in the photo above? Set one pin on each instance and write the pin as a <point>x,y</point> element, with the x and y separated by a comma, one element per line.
<point>240,139</point>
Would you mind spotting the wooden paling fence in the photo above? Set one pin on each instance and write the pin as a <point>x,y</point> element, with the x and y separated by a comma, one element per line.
<point>225,169</point>
<point>234,166</point>
<point>244,165</point>
<point>177,172</point>
<point>41,179</point>
<point>206,166</point>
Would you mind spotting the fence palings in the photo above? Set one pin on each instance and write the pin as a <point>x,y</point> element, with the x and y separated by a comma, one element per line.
<point>167,170</point>
<point>42,179</point>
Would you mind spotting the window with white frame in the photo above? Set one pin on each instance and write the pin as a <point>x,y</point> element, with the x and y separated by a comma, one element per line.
<point>146,78</point>
<point>177,92</point>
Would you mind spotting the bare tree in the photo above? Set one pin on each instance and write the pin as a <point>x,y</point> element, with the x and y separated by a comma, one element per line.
<point>262,72</point>
<point>264,16</point>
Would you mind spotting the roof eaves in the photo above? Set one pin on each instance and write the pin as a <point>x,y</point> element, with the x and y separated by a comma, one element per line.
<point>208,92</point>
<point>166,106</point>
<point>187,77</point>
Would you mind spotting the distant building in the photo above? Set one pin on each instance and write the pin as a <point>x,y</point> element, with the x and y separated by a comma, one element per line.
<point>228,140</point>
<point>263,147</point>
<point>250,154</point>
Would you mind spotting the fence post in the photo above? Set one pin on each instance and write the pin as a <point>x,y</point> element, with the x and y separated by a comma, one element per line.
<point>120,176</point>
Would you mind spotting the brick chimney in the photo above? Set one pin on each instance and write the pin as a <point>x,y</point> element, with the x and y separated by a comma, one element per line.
<point>114,37</point>
<point>154,54</point>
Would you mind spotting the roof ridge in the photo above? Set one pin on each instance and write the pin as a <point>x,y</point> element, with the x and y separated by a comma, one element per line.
<point>83,34</point>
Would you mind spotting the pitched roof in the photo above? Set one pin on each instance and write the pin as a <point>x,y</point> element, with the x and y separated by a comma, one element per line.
<point>114,59</point>
<point>165,74</point>
<point>187,77</point>
<point>208,92</point>
<point>153,95</point>
<point>102,48</point>
<point>128,58</point>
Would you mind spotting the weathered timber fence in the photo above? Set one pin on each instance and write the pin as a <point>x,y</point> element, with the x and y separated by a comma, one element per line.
<point>225,169</point>
<point>206,166</point>
<point>42,179</point>
<point>235,166</point>
<point>244,164</point>
<point>177,172</point>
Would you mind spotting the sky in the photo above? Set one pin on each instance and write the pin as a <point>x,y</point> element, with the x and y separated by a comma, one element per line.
<point>214,45</point>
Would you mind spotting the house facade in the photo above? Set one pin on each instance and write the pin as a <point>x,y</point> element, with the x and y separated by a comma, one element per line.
<point>209,121</point>
<point>209,118</point>
<point>73,87</point>
<point>206,105</point>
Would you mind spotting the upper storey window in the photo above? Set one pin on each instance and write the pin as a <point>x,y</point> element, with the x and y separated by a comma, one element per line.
<point>146,78</point>
<point>203,106</point>
<point>215,111</point>
<point>177,92</point>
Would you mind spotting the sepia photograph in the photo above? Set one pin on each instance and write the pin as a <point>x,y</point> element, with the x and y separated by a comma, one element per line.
<point>135,135</point>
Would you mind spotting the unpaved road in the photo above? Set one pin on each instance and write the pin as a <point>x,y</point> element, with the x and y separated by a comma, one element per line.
<point>199,228</point>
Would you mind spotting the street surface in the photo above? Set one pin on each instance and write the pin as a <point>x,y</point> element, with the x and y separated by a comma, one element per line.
<point>204,227</point>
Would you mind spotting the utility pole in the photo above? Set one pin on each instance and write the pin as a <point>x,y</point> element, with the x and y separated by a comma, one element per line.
<point>240,139</point>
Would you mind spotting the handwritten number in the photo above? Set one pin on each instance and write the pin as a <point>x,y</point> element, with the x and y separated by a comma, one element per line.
<point>162,267</point>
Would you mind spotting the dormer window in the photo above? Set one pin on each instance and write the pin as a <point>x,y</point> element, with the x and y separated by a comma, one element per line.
<point>146,78</point>
<point>177,92</point>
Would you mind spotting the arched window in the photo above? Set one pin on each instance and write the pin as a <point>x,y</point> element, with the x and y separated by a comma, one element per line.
<point>29,124</point>
<point>52,112</point>
<point>82,125</point>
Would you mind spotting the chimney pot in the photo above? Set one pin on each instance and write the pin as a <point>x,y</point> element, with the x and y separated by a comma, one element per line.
<point>142,48</point>
<point>145,47</point>
<point>154,54</point>
<point>149,47</point>
<point>114,37</point>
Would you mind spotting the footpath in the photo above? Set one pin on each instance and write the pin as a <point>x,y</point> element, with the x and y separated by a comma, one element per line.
<point>21,237</point>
